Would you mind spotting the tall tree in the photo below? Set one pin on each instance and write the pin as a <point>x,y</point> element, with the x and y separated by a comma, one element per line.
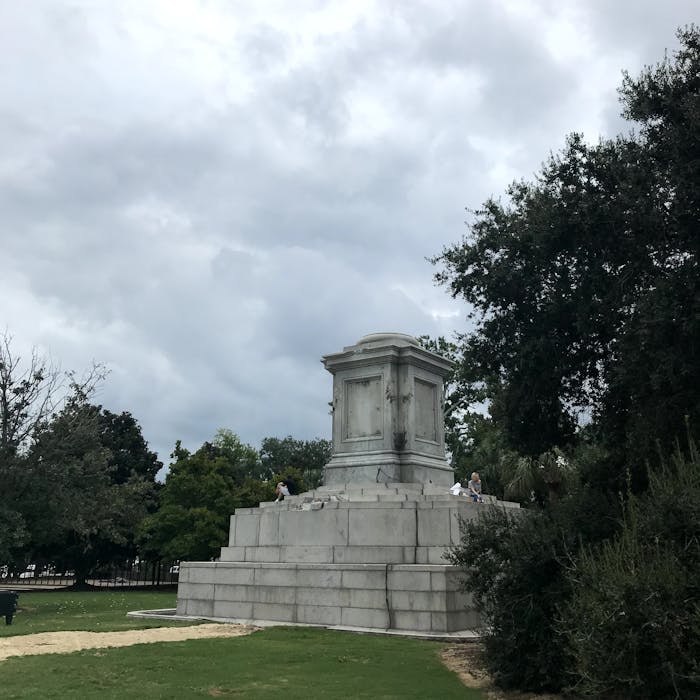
<point>584,285</point>
<point>75,509</point>
<point>121,435</point>
<point>201,492</point>
<point>31,393</point>
<point>308,456</point>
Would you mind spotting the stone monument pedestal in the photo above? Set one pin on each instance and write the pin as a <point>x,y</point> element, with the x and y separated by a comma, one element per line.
<point>360,555</point>
<point>366,550</point>
<point>387,412</point>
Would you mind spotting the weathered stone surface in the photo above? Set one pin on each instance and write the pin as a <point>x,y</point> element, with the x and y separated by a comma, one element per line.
<point>412,620</point>
<point>196,607</point>
<point>387,412</point>
<point>367,548</point>
<point>369,577</point>
<point>269,529</point>
<point>233,610</point>
<point>433,526</point>
<point>365,617</point>
<point>368,554</point>
<point>263,554</point>
<point>398,524</point>
<point>319,614</point>
<point>271,611</point>
<point>321,527</point>
<point>399,597</point>
<point>246,532</point>
<point>320,578</point>
<point>307,553</point>
<point>230,554</point>
<point>384,569</point>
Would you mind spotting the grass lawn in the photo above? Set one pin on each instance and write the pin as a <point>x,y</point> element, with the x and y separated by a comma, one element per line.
<point>289,662</point>
<point>98,611</point>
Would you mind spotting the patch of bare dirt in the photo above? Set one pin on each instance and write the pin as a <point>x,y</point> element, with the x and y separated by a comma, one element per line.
<point>65,642</point>
<point>465,660</point>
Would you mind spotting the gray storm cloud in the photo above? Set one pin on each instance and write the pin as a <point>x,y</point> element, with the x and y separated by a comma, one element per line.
<point>208,197</point>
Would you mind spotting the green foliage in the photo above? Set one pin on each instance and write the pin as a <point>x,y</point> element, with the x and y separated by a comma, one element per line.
<point>633,622</point>
<point>243,459</point>
<point>584,286</point>
<point>27,397</point>
<point>31,393</point>
<point>572,597</point>
<point>457,398</point>
<point>198,498</point>
<point>480,448</point>
<point>253,492</point>
<point>513,564</point>
<point>585,292</point>
<point>129,453</point>
<point>544,479</point>
<point>13,529</point>
<point>76,479</point>
<point>307,456</point>
<point>74,508</point>
<point>202,490</point>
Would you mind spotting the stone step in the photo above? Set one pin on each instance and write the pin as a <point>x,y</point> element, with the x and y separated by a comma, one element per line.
<point>309,500</point>
<point>335,554</point>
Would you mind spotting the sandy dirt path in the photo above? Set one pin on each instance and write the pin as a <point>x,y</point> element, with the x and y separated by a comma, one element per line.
<point>464,660</point>
<point>65,642</point>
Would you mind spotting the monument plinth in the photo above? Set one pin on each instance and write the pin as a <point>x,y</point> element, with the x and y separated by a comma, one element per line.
<point>366,549</point>
<point>388,412</point>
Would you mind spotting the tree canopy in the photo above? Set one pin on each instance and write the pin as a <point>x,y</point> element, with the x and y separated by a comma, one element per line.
<point>584,291</point>
<point>583,285</point>
<point>198,499</point>
<point>203,488</point>
<point>308,456</point>
<point>76,478</point>
<point>78,509</point>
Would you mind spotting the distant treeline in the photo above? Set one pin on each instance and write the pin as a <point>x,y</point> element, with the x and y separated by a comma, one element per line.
<point>78,489</point>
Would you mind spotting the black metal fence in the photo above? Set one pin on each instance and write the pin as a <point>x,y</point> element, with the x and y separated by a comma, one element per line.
<point>130,574</point>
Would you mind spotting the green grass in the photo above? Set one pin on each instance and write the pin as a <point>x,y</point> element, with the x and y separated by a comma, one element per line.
<point>98,611</point>
<point>276,662</point>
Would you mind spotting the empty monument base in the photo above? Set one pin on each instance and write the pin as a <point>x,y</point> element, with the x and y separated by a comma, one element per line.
<point>365,555</point>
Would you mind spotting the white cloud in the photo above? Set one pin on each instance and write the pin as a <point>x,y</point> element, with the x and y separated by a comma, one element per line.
<point>209,196</point>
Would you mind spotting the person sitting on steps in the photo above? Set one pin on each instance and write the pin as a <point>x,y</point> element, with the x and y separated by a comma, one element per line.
<point>474,488</point>
<point>281,491</point>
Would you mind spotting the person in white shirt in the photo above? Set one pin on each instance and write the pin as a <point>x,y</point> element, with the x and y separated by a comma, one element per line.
<point>281,491</point>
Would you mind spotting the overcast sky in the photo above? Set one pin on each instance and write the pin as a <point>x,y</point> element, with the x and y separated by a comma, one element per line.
<point>209,196</point>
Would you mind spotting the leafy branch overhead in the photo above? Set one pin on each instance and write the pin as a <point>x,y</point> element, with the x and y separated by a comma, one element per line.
<point>584,290</point>
<point>583,284</point>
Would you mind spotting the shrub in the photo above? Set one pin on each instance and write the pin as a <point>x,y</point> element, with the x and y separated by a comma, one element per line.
<point>633,621</point>
<point>513,564</point>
